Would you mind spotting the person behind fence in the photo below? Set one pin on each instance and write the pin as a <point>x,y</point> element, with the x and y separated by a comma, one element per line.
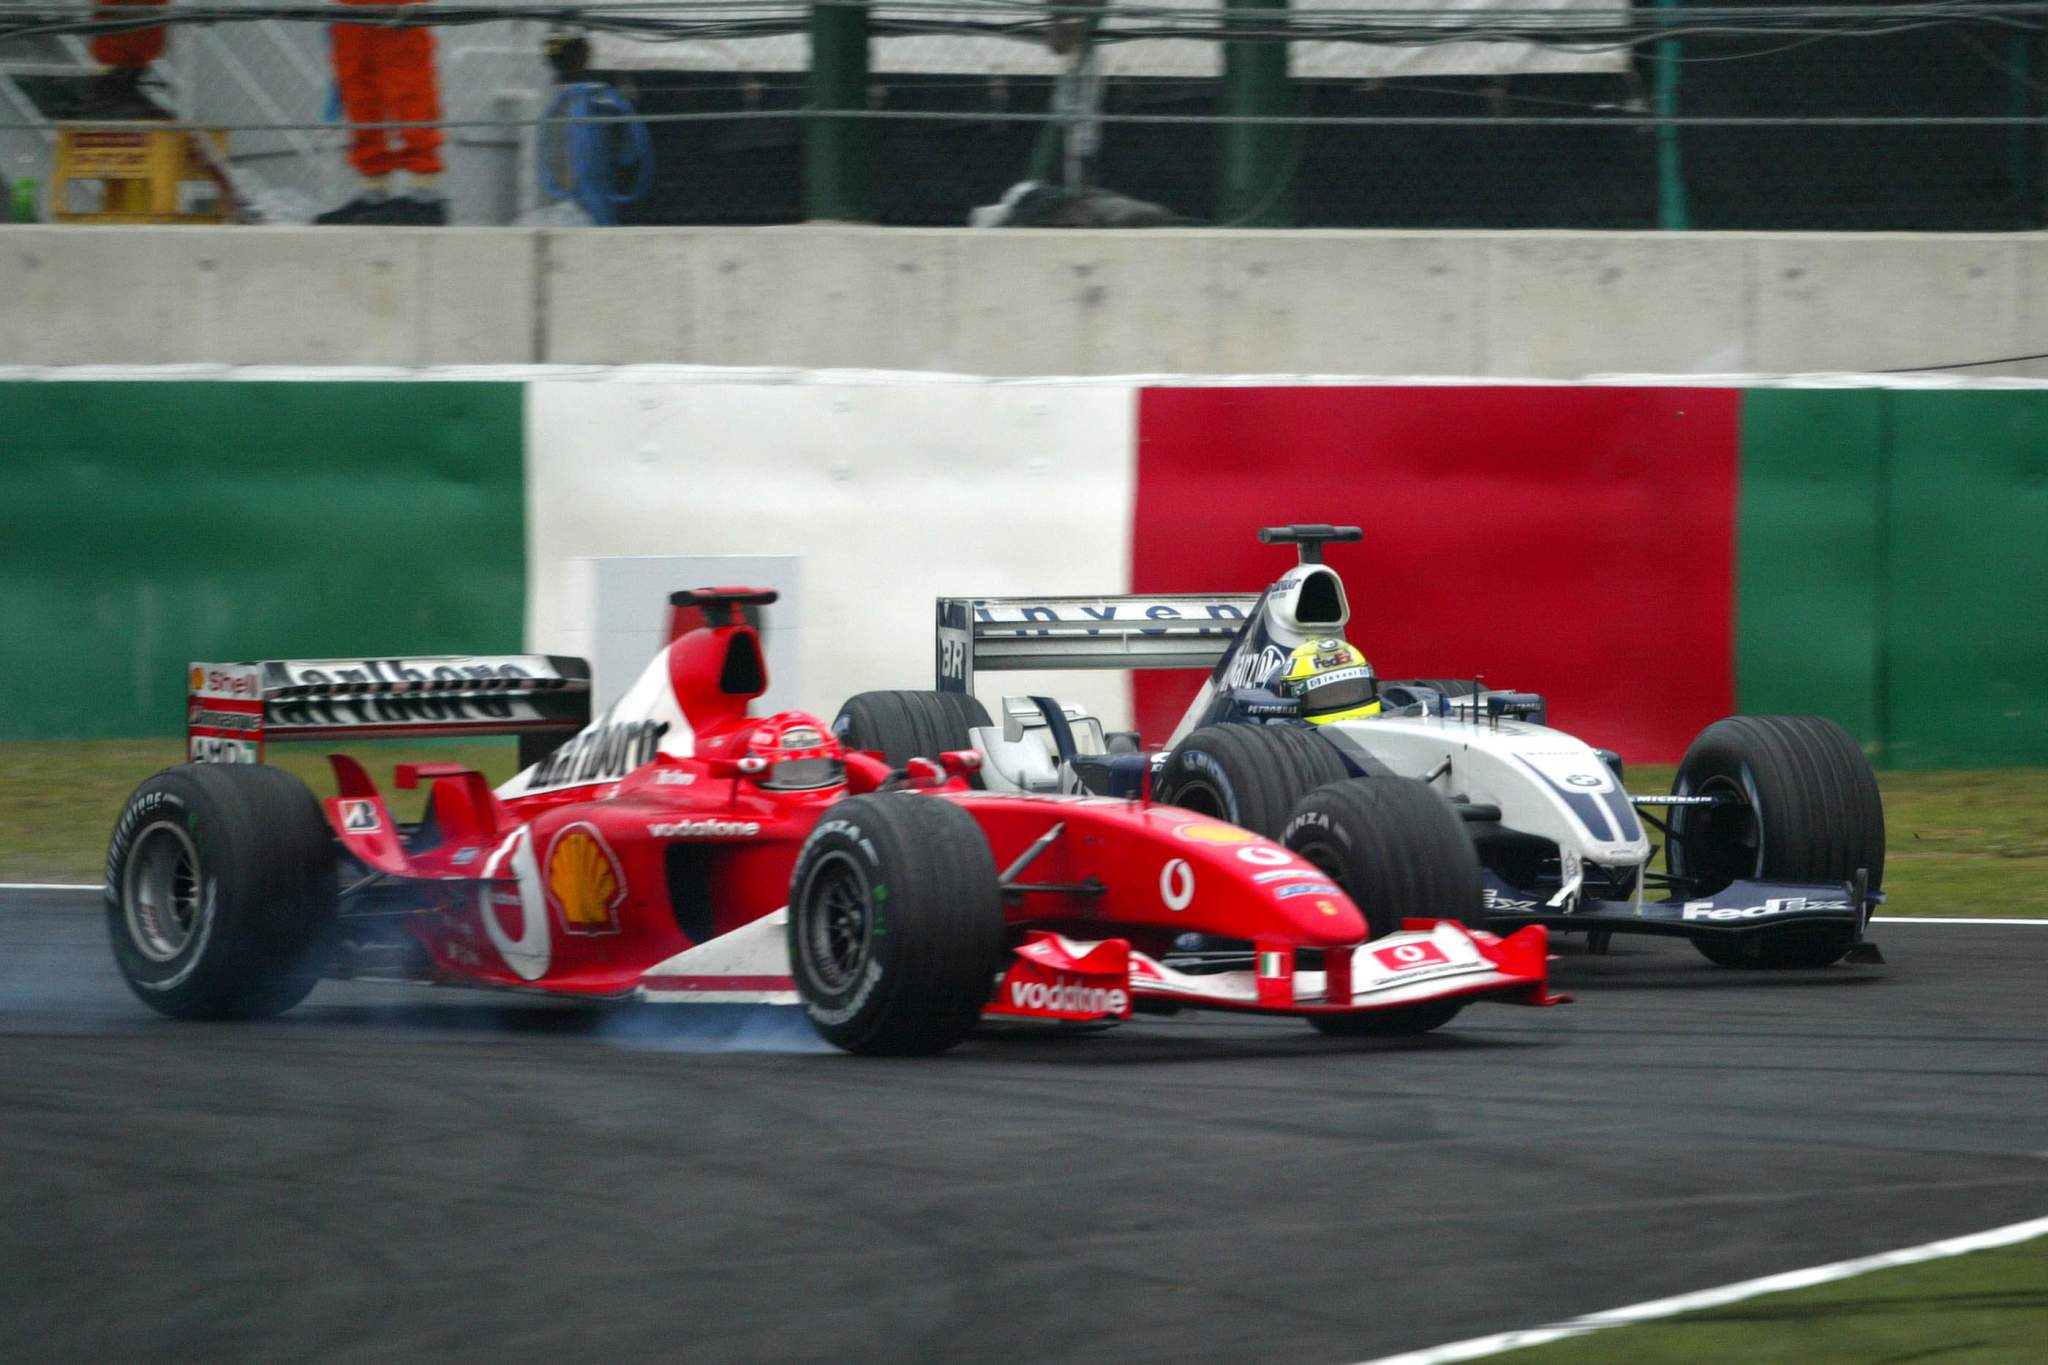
<point>386,75</point>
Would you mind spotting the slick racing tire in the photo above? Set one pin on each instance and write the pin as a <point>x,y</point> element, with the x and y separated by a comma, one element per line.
<point>1250,775</point>
<point>1399,852</point>
<point>904,725</point>
<point>1809,811</point>
<point>895,924</point>
<point>221,891</point>
<point>1396,848</point>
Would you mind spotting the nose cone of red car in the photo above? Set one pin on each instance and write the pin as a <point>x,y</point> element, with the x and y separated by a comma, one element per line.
<point>1276,892</point>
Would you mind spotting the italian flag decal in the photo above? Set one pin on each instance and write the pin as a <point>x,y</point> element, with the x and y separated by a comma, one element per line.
<point>1272,965</point>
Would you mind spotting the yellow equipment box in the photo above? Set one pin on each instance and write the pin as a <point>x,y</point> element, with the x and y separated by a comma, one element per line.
<point>144,174</point>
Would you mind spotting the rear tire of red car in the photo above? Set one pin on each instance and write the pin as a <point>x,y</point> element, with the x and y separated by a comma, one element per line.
<point>1808,811</point>
<point>902,725</point>
<point>895,925</point>
<point>1253,776</point>
<point>1400,853</point>
<point>221,891</point>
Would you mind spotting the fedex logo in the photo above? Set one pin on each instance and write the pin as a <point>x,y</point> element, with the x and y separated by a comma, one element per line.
<point>1776,905</point>
<point>1408,956</point>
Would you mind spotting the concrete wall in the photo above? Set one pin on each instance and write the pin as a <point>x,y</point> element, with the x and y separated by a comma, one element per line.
<point>1487,304</point>
<point>255,296</point>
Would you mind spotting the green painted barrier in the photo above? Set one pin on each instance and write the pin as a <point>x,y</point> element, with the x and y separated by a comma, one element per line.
<point>1807,549</point>
<point>1892,560</point>
<point>150,524</point>
<point>1968,574</point>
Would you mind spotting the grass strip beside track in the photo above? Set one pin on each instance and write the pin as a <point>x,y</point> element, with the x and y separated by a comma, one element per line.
<point>1976,1309</point>
<point>58,800</point>
<point>1961,843</point>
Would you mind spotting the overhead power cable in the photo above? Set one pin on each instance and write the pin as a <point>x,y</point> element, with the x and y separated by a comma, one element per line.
<point>1588,29</point>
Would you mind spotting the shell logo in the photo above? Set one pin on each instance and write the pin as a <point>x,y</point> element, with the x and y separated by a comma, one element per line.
<point>1199,832</point>
<point>584,881</point>
<point>1326,907</point>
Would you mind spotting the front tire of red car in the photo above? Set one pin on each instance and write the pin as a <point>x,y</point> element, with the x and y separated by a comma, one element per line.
<point>220,891</point>
<point>895,925</point>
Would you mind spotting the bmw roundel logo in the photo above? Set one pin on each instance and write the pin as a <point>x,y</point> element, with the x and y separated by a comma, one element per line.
<point>1583,780</point>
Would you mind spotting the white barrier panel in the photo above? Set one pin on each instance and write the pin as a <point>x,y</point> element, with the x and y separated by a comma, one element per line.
<point>892,495</point>
<point>615,614</point>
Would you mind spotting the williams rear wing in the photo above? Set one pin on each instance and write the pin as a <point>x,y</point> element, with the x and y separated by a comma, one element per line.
<point>234,709</point>
<point>1168,630</point>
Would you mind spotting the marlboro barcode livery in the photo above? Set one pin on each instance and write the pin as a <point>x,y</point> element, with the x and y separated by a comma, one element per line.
<point>679,849</point>
<point>235,708</point>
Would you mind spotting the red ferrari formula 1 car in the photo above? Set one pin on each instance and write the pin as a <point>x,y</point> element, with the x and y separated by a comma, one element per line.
<point>677,849</point>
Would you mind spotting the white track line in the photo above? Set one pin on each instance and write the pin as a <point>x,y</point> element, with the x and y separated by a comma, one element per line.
<point>1949,919</point>
<point>50,886</point>
<point>1714,1298</point>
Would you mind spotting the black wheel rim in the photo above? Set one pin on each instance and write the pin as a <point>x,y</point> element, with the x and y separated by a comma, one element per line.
<point>1320,856</point>
<point>1202,797</point>
<point>838,930</point>
<point>160,892</point>
<point>1716,845</point>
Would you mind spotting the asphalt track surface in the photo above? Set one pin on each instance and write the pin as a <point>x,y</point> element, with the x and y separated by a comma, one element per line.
<point>397,1173</point>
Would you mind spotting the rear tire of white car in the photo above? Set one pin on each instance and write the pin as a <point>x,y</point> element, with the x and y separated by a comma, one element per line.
<point>221,891</point>
<point>895,925</point>
<point>1399,852</point>
<point>1809,812</point>
<point>902,725</point>
<point>1252,776</point>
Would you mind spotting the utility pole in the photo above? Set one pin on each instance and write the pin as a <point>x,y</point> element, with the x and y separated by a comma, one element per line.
<point>1672,214</point>
<point>836,160</point>
<point>1256,191</point>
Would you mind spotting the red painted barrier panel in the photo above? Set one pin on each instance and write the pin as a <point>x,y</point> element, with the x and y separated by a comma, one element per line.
<point>1573,541</point>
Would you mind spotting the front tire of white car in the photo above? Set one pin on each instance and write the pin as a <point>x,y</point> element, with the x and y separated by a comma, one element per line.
<point>1806,809</point>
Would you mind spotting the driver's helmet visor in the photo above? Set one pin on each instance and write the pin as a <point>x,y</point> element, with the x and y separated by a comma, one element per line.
<point>1341,689</point>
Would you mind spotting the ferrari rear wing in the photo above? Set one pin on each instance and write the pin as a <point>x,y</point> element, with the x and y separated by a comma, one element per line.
<point>1166,630</point>
<point>235,708</point>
